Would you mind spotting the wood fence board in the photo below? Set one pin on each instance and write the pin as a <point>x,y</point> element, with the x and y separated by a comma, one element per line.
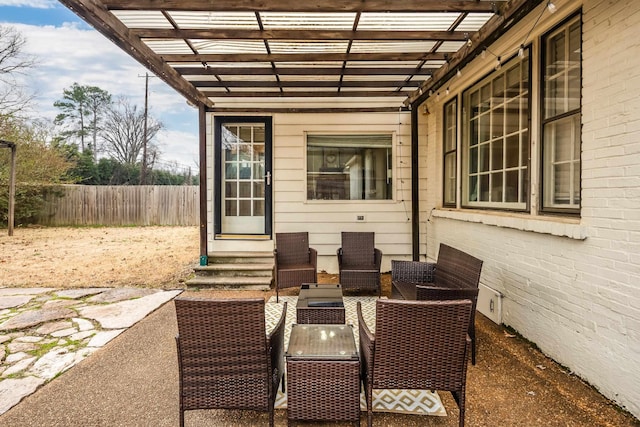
<point>112,205</point>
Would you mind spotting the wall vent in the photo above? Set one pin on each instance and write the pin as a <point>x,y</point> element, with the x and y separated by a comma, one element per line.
<point>490,303</point>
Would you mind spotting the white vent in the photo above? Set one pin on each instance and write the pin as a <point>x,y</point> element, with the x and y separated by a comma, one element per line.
<point>490,303</point>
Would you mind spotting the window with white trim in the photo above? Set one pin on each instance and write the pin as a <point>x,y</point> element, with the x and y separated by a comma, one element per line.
<point>495,153</point>
<point>561,129</point>
<point>349,167</point>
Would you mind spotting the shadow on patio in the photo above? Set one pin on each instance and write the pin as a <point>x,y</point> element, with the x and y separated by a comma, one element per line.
<point>133,381</point>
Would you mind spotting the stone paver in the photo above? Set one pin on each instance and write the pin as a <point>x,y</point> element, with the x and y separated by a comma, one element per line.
<point>44,331</point>
<point>12,301</point>
<point>13,390</point>
<point>126,313</point>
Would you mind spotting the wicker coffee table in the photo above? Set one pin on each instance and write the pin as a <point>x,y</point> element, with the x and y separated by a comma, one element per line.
<point>320,303</point>
<point>323,374</point>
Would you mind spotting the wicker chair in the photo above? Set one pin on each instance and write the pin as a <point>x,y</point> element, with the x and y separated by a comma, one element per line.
<point>225,358</point>
<point>455,270</point>
<point>419,345</point>
<point>359,261</point>
<point>295,262</point>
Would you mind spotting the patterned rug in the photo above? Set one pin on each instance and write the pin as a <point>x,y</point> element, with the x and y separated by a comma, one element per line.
<point>420,402</point>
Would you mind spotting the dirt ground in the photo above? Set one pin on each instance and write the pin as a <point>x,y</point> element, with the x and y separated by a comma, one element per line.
<point>156,257</point>
<point>513,384</point>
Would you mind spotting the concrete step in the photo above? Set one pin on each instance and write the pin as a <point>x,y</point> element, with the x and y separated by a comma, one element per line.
<point>240,258</point>
<point>235,270</point>
<point>217,282</point>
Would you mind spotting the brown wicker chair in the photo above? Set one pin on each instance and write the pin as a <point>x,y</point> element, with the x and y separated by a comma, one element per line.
<point>359,261</point>
<point>225,358</point>
<point>455,269</point>
<point>295,262</point>
<point>418,345</point>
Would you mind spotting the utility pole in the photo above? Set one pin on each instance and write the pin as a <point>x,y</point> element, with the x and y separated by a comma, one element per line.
<point>143,171</point>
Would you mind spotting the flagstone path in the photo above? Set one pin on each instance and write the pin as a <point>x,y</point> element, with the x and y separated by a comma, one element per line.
<point>45,331</point>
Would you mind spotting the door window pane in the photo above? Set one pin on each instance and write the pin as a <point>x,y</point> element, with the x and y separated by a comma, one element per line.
<point>450,153</point>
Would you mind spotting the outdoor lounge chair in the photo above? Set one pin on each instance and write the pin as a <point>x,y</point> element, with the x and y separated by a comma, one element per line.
<point>359,261</point>
<point>295,262</point>
<point>225,358</point>
<point>455,270</point>
<point>419,345</point>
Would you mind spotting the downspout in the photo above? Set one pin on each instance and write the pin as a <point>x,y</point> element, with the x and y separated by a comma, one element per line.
<point>415,203</point>
<point>202,124</point>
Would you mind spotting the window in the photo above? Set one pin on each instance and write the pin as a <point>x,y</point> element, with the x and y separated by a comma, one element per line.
<point>349,167</point>
<point>561,133</point>
<point>495,157</point>
<point>450,152</point>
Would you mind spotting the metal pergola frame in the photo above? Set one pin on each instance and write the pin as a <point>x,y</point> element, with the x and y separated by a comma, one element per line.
<point>12,183</point>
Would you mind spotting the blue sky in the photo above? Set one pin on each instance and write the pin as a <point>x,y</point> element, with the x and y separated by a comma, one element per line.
<point>67,50</point>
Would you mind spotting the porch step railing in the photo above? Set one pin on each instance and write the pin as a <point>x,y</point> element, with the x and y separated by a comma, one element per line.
<point>235,270</point>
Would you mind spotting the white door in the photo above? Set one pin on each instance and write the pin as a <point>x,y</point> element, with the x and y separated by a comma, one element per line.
<point>244,177</point>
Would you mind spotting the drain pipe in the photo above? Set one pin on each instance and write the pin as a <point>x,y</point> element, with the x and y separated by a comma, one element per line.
<point>415,203</point>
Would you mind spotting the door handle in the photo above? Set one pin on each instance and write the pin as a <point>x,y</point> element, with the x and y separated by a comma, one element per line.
<point>268,177</point>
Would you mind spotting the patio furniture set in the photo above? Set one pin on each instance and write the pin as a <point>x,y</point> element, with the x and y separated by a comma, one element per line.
<point>421,341</point>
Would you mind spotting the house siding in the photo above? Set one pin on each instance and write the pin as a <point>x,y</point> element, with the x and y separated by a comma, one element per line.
<point>572,286</point>
<point>323,219</point>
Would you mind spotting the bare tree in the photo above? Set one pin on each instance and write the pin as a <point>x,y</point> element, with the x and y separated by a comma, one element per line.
<point>13,62</point>
<point>123,133</point>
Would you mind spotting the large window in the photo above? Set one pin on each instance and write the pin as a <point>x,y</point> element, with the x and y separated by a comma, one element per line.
<point>496,138</point>
<point>561,133</point>
<point>349,167</point>
<point>450,152</point>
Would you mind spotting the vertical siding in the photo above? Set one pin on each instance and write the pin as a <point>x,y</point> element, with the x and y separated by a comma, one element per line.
<point>122,205</point>
<point>579,278</point>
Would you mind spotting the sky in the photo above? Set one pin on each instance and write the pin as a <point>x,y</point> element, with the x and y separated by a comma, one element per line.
<point>67,50</point>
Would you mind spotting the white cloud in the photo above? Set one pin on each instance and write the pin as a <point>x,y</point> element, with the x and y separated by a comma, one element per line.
<point>37,4</point>
<point>68,54</point>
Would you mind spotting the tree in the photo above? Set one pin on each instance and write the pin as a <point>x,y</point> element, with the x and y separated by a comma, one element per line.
<point>83,109</point>
<point>13,62</point>
<point>123,133</point>
<point>39,165</point>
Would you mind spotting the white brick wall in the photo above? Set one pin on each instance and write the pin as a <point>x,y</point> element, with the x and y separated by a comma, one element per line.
<point>570,286</point>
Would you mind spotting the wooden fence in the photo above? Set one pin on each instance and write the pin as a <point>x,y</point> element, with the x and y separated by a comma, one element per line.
<point>122,205</point>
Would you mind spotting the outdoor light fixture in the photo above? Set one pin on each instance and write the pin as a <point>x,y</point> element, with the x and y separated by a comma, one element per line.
<point>458,73</point>
<point>552,7</point>
<point>498,64</point>
<point>521,52</point>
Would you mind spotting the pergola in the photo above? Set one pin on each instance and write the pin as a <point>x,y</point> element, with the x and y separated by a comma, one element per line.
<point>211,51</point>
<point>268,56</point>
<point>12,184</point>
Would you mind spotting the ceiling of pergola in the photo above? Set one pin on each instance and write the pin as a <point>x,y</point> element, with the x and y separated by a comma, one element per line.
<point>213,51</point>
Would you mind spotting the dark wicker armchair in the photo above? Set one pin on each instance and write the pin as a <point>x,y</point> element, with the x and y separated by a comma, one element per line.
<point>295,262</point>
<point>226,360</point>
<point>420,345</point>
<point>359,261</point>
<point>455,270</point>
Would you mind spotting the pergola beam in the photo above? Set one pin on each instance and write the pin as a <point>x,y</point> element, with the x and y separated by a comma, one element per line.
<point>307,94</point>
<point>95,14</point>
<point>307,6</point>
<point>302,71</point>
<point>333,35</point>
<point>303,57</point>
<point>302,84</point>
